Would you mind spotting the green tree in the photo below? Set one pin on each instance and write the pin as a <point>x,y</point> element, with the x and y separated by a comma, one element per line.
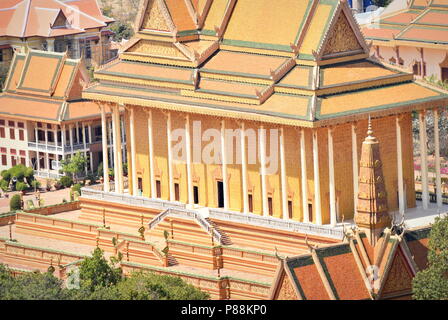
<point>432,283</point>
<point>31,286</point>
<point>150,286</point>
<point>15,203</point>
<point>122,31</point>
<point>96,273</point>
<point>74,165</point>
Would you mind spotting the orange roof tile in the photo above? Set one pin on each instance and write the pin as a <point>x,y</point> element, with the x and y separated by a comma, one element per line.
<point>351,72</point>
<point>243,63</point>
<point>30,108</point>
<point>345,276</point>
<point>180,15</point>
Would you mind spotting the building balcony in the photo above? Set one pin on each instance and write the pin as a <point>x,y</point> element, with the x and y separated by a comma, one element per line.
<point>43,147</point>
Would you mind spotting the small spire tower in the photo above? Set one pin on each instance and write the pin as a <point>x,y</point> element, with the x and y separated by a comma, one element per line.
<point>371,214</point>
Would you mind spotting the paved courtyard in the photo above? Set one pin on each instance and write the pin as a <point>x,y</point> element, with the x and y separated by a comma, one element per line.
<point>50,198</point>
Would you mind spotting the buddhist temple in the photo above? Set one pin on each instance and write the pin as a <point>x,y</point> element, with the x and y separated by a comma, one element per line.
<point>267,158</point>
<point>311,82</point>
<point>413,37</point>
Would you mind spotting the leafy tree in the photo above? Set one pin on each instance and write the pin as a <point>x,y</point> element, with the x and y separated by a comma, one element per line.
<point>74,165</point>
<point>31,286</point>
<point>95,272</point>
<point>4,185</point>
<point>15,203</point>
<point>432,283</point>
<point>21,186</point>
<point>66,181</point>
<point>150,286</point>
<point>6,175</point>
<point>122,30</point>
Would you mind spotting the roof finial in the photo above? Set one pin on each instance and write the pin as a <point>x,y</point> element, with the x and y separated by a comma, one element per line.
<point>370,130</point>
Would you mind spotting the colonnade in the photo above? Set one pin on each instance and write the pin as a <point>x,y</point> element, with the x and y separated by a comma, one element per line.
<point>301,145</point>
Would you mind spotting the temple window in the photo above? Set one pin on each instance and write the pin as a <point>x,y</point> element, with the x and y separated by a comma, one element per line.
<point>251,202</point>
<point>158,189</point>
<point>195,194</point>
<point>220,187</point>
<point>290,209</point>
<point>176,192</point>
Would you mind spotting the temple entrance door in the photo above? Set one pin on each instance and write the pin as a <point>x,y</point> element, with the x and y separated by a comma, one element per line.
<point>444,74</point>
<point>195,194</point>
<point>140,186</point>
<point>310,212</point>
<point>220,187</point>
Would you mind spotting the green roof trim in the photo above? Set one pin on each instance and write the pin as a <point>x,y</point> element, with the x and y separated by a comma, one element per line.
<point>241,74</point>
<point>375,108</point>
<point>414,235</point>
<point>257,45</point>
<point>198,104</point>
<point>327,273</point>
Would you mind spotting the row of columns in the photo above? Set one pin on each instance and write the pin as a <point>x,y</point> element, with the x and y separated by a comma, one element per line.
<point>116,134</point>
<point>424,160</point>
<point>283,177</point>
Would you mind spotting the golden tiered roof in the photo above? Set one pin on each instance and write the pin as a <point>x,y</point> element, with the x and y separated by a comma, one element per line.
<point>298,62</point>
<point>371,211</point>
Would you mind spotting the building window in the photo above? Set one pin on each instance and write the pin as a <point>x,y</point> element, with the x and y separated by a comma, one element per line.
<point>158,189</point>
<point>310,212</point>
<point>176,192</point>
<point>2,132</point>
<point>4,156</point>
<point>11,123</point>
<point>220,187</point>
<point>140,185</point>
<point>290,209</point>
<point>21,135</point>
<point>12,134</point>
<point>20,125</point>
<point>195,194</point>
<point>251,202</point>
<point>270,206</point>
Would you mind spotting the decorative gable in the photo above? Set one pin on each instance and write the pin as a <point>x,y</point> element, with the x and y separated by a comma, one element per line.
<point>156,17</point>
<point>286,290</point>
<point>60,21</point>
<point>156,48</point>
<point>399,277</point>
<point>342,38</point>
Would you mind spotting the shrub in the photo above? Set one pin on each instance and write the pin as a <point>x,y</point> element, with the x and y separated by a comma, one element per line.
<point>100,170</point>
<point>15,203</point>
<point>4,185</point>
<point>21,186</point>
<point>6,175</point>
<point>66,181</point>
<point>18,171</point>
<point>29,173</point>
<point>77,188</point>
<point>35,184</point>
